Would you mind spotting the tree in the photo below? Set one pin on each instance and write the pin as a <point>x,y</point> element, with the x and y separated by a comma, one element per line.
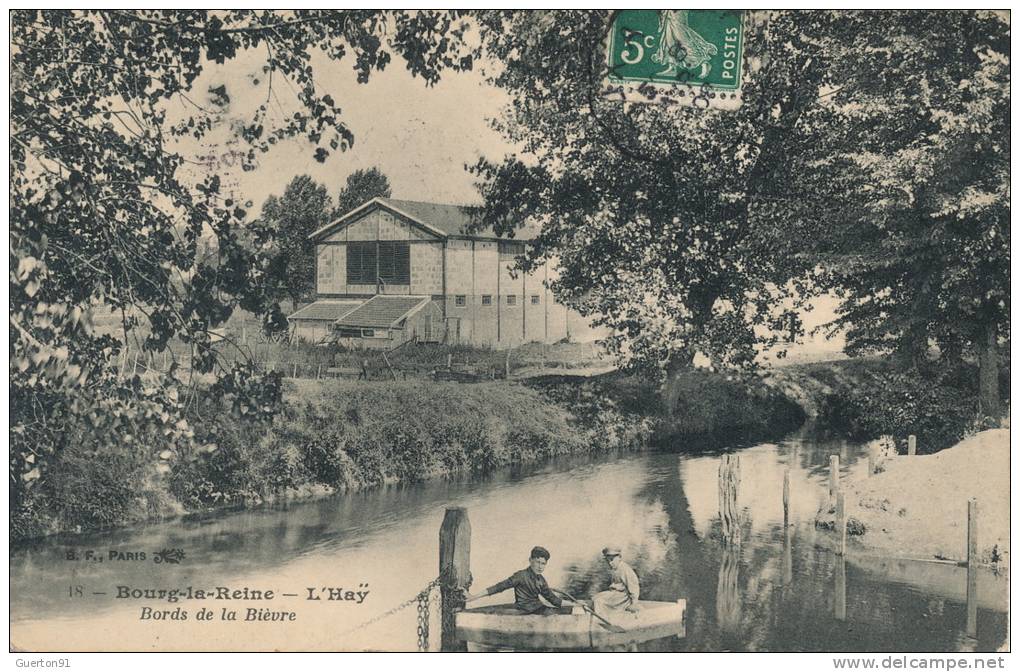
<point>362,186</point>
<point>686,231</point>
<point>662,218</point>
<point>920,166</point>
<point>303,208</point>
<point>101,221</point>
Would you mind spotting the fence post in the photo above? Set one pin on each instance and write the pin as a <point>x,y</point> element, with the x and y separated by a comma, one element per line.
<point>455,570</point>
<point>911,445</point>
<point>508,363</point>
<point>972,566</point>
<point>389,366</point>
<point>449,362</point>
<point>871,464</point>
<point>833,476</point>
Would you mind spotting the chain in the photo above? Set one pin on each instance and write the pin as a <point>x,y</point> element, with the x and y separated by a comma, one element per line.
<point>423,620</point>
<point>421,597</point>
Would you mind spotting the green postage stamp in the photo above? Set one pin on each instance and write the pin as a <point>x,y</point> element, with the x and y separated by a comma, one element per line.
<point>692,57</point>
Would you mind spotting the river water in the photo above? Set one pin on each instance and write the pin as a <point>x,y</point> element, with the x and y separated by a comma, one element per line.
<point>776,591</point>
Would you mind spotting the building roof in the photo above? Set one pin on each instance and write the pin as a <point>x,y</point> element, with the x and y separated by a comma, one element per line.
<point>325,310</point>
<point>383,311</point>
<point>440,219</point>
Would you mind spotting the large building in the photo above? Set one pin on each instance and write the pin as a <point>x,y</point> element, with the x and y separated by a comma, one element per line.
<point>391,271</point>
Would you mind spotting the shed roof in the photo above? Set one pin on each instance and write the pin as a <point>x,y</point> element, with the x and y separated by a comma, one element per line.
<point>325,310</point>
<point>383,312</point>
<point>442,219</point>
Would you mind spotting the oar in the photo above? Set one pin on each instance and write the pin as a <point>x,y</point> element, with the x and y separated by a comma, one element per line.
<point>612,627</point>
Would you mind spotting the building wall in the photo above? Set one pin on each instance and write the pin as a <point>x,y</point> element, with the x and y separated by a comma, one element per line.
<point>426,268</point>
<point>473,270</point>
<point>426,256</point>
<point>311,331</point>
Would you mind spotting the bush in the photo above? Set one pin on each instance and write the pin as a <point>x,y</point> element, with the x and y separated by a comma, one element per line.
<point>720,408</point>
<point>241,464</point>
<point>937,409</point>
<point>87,489</point>
<point>354,435</point>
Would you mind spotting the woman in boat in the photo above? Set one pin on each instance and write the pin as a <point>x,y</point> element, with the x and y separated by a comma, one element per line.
<point>624,587</point>
<point>528,585</point>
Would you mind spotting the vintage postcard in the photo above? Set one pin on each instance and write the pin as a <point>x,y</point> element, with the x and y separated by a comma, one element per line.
<point>482,331</point>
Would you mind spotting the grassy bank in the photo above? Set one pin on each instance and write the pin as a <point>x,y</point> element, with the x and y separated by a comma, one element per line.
<point>343,436</point>
<point>711,409</point>
<point>346,436</point>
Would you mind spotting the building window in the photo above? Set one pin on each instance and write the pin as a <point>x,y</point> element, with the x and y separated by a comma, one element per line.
<point>368,333</point>
<point>486,299</point>
<point>509,250</point>
<point>511,300</point>
<point>461,300</point>
<point>534,299</point>
<point>361,263</point>
<point>369,262</point>
<point>395,262</point>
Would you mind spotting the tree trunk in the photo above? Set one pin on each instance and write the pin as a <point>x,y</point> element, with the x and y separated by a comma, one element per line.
<point>678,363</point>
<point>988,376</point>
<point>681,360</point>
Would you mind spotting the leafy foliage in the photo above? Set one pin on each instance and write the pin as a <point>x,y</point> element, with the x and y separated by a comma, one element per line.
<point>362,186</point>
<point>661,217</point>
<point>919,161</point>
<point>869,158</point>
<point>102,219</point>
<point>898,403</point>
<point>304,207</point>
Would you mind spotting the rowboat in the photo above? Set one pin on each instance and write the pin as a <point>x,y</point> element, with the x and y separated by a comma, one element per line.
<point>504,626</point>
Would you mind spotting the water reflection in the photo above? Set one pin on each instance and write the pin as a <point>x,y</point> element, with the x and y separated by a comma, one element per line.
<point>777,590</point>
<point>727,592</point>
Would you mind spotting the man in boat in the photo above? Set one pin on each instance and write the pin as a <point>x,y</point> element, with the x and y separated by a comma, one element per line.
<point>528,585</point>
<point>624,588</point>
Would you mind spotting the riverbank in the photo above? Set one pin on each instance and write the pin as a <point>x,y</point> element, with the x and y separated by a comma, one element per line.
<point>868,397</point>
<point>917,506</point>
<point>343,436</point>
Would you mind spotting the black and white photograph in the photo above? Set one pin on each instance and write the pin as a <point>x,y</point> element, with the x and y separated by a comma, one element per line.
<point>511,330</point>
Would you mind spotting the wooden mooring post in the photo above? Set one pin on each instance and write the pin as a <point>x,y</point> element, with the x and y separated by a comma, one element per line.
<point>729,485</point>
<point>839,603</point>
<point>787,557</point>
<point>840,523</point>
<point>972,567</point>
<point>786,497</point>
<point>455,572</point>
<point>911,445</point>
<point>833,477</point>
